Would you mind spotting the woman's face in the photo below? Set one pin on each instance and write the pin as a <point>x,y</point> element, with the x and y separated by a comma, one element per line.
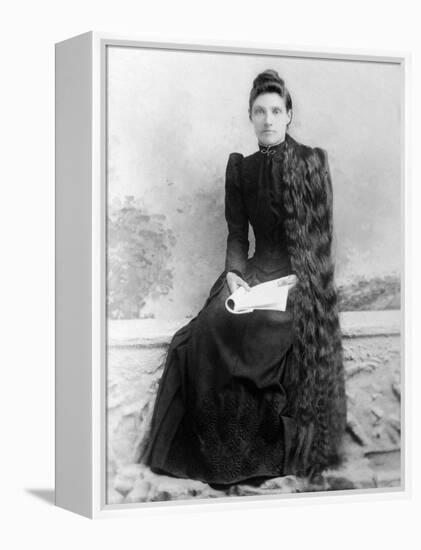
<point>270,118</point>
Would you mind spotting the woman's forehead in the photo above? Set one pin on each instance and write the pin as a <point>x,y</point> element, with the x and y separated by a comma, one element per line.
<point>268,99</point>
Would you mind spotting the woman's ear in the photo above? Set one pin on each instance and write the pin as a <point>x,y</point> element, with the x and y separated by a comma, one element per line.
<point>289,113</point>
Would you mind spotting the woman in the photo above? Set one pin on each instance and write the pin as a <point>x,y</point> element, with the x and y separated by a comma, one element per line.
<point>261,394</point>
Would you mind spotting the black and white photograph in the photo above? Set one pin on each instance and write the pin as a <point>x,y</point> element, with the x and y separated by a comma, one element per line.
<point>210,275</point>
<point>254,269</point>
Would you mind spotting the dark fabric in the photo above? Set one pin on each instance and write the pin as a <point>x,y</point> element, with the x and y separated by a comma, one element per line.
<point>219,414</point>
<point>226,408</point>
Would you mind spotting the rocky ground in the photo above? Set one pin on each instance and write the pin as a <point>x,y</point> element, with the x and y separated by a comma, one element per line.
<point>136,483</point>
<point>372,443</point>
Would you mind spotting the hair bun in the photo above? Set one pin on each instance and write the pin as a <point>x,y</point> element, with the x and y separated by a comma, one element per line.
<point>270,75</point>
<point>269,81</point>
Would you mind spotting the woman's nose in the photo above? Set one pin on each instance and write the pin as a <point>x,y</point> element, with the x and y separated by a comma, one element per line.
<point>268,120</point>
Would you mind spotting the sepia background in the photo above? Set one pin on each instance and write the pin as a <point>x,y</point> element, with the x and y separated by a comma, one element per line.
<point>173,119</point>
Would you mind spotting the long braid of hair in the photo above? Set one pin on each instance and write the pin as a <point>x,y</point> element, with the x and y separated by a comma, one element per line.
<point>317,370</point>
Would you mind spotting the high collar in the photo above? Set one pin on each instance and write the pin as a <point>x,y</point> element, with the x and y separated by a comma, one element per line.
<point>273,151</point>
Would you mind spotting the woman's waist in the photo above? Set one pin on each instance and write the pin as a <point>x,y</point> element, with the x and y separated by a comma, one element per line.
<point>272,260</point>
<point>270,252</point>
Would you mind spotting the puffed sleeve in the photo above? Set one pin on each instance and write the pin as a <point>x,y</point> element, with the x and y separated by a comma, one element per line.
<point>236,217</point>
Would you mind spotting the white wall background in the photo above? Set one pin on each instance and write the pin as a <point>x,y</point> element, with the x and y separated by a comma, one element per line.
<point>28,33</point>
<point>175,116</point>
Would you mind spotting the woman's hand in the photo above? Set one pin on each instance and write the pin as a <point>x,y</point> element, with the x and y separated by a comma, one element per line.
<point>234,281</point>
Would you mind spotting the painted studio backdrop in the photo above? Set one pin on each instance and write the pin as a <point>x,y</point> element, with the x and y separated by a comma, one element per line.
<point>173,119</point>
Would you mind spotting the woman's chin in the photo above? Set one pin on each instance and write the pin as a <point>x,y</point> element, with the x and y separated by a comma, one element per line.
<point>269,138</point>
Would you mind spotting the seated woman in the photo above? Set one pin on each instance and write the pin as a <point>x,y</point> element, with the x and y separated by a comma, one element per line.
<point>260,395</point>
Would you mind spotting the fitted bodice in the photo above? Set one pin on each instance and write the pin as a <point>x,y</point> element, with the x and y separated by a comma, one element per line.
<point>254,194</point>
<point>266,215</point>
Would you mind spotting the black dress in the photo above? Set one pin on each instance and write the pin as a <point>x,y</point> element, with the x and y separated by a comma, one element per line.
<point>221,413</point>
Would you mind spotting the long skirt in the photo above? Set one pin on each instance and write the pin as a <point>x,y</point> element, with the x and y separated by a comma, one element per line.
<point>221,411</point>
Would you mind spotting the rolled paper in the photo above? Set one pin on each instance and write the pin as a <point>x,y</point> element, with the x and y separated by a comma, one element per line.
<point>269,295</point>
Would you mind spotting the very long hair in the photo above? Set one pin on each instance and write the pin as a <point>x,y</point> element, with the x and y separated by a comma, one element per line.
<point>316,379</point>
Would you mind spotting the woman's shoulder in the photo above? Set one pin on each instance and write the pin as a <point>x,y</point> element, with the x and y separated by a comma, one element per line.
<point>235,158</point>
<point>234,161</point>
<point>234,168</point>
<point>315,156</point>
<point>304,149</point>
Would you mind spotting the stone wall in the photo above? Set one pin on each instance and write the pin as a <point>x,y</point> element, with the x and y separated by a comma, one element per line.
<point>136,351</point>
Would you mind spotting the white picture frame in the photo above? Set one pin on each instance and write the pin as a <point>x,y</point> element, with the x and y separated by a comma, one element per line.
<point>81,324</point>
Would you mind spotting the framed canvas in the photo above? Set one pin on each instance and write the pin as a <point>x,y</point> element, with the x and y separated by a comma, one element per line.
<point>185,172</point>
